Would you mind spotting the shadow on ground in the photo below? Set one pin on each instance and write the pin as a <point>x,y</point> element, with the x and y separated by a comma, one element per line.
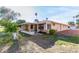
<point>40,40</point>
<point>14,48</point>
<point>43,42</point>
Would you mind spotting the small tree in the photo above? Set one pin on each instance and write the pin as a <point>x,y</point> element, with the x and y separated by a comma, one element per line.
<point>6,16</point>
<point>71,23</point>
<point>77,22</point>
<point>20,21</point>
<point>9,26</point>
<point>6,13</point>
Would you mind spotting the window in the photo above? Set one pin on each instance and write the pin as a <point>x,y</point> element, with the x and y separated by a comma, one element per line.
<point>31,26</point>
<point>48,26</point>
<point>26,27</point>
<point>41,26</point>
<point>68,26</point>
<point>53,24</point>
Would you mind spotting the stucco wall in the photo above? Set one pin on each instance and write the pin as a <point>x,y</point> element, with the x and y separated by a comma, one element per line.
<point>58,27</point>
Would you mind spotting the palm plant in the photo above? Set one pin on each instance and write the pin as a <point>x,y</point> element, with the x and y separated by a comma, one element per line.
<point>36,20</point>
<point>77,20</point>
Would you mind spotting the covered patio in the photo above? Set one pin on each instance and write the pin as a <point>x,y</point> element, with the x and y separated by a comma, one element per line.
<point>34,27</point>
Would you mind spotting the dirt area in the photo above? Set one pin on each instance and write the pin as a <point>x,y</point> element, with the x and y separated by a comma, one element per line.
<point>41,44</point>
<point>35,44</point>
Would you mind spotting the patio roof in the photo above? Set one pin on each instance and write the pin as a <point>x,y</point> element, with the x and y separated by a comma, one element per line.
<point>44,21</point>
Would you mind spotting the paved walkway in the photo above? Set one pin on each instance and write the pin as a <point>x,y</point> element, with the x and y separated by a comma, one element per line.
<point>14,48</point>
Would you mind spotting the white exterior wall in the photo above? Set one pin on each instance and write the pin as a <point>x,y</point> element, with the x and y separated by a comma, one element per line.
<point>59,27</point>
<point>56,26</point>
<point>45,26</point>
<point>22,27</point>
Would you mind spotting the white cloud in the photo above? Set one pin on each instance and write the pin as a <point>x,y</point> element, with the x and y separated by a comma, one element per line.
<point>64,17</point>
<point>63,14</point>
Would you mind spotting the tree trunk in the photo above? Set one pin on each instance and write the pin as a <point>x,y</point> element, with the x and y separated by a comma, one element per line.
<point>14,34</point>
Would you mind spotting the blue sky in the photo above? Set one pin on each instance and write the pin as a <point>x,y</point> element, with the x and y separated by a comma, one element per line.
<point>61,14</point>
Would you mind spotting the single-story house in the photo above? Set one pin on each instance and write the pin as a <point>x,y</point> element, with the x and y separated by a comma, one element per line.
<point>44,26</point>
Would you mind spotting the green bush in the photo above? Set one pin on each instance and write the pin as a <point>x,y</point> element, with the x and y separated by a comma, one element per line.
<point>52,32</point>
<point>9,26</point>
<point>5,38</point>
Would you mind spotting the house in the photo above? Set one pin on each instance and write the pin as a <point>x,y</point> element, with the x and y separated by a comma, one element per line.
<point>43,26</point>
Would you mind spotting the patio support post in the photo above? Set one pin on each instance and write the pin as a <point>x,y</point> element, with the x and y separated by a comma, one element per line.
<point>29,27</point>
<point>45,26</point>
<point>37,28</point>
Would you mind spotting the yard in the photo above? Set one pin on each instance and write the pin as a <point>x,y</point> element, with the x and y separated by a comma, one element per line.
<point>1,29</point>
<point>39,43</point>
<point>48,43</point>
<point>5,41</point>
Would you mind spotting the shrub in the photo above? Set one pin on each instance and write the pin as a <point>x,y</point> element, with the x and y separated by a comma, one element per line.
<point>52,32</point>
<point>5,38</point>
<point>9,25</point>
